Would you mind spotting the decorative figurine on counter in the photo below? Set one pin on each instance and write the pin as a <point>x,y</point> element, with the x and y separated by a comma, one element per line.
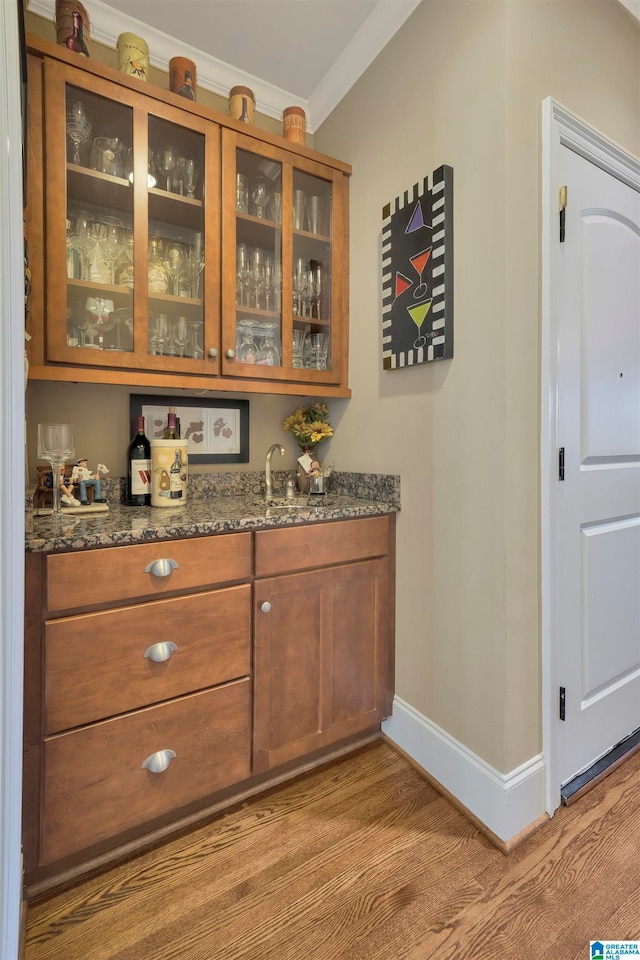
<point>83,477</point>
<point>66,490</point>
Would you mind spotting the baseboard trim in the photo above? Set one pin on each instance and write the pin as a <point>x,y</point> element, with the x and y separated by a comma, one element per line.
<point>507,807</point>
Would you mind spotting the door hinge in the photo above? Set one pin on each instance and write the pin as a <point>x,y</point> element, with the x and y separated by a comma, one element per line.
<point>563,205</point>
<point>561,463</point>
<point>563,704</point>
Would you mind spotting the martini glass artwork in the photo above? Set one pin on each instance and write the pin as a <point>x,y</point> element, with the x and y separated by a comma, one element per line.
<point>418,312</point>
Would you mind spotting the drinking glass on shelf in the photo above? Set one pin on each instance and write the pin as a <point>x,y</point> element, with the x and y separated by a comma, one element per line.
<point>193,268</point>
<point>268,283</point>
<point>318,345</point>
<point>248,348</point>
<point>180,335</point>
<point>314,213</point>
<point>268,354</point>
<point>121,316</point>
<point>81,238</point>
<point>78,126</point>
<point>189,170</point>
<point>166,161</point>
<point>112,243</point>
<point>299,286</point>
<point>260,196</point>
<point>276,206</point>
<point>195,348</point>
<point>57,444</point>
<point>242,274</point>
<point>160,334</point>
<point>175,263</point>
<point>106,155</point>
<point>242,193</point>
<point>256,277</point>
<point>298,347</point>
<point>299,200</point>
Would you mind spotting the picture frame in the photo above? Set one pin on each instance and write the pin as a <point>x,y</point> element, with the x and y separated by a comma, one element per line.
<point>217,430</point>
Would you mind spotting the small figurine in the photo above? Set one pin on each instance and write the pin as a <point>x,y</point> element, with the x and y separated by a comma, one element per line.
<point>66,490</point>
<point>83,477</point>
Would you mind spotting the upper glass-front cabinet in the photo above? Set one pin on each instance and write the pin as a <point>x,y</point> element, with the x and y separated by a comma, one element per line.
<point>132,252</point>
<point>280,279</point>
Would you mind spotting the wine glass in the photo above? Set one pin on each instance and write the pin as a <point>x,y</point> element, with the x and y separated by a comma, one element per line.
<point>81,237</point>
<point>166,161</point>
<point>260,195</point>
<point>78,126</point>
<point>268,354</point>
<point>189,170</point>
<point>193,269</point>
<point>180,334</point>
<point>57,444</point>
<point>175,263</point>
<point>112,243</point>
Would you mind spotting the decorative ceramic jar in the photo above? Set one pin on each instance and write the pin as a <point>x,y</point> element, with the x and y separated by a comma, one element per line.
<point>72,26</point>
<point>182,77</point>
<point>242,104</point>
<point>133,56</point>
<point>294,124</point>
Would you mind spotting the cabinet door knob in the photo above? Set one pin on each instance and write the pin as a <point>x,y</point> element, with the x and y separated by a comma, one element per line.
<point>231,354</point>
<point>213,353</point>
<point>159,761</point>
<point>159,652</point>
<point>161,568</point>
<point>266,607</point>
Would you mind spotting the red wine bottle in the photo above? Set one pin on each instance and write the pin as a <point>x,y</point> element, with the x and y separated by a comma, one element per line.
<point>139,468</point>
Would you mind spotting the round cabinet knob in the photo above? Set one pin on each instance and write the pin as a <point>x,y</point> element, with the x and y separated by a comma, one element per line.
<point>230,354</point>
<point>161,567</point>
<point>159,652</point>
<point>159,761</point>
<point>213,353</point>
<point>266,606</point>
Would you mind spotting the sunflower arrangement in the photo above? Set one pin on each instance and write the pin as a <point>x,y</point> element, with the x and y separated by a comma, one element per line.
<point>309,425</point>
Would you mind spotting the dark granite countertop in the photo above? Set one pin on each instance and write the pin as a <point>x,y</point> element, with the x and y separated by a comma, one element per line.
<point>212,507</point>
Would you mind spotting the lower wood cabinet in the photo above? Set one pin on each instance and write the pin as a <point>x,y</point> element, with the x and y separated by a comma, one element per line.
<point>183,675</point>
<point>321,658</point>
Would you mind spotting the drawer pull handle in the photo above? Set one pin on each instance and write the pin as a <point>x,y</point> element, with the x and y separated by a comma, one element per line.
<point>161,568</point>
<point>157,762</point>
<point>159,652</point>
<point>266,607</point>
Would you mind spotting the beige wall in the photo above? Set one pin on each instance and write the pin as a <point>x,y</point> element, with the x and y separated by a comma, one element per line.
<point>462,84</point>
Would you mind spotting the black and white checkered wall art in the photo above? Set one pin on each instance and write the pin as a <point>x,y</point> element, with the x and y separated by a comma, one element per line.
<point>417,274</point>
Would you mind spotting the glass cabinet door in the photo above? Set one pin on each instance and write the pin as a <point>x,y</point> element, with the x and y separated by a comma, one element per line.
<point>127,237</point>
<point>279,276</point>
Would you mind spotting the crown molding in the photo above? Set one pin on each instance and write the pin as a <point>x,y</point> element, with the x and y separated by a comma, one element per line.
<point>374,34</point>
<point>633,6</point>
<point>218,77</point>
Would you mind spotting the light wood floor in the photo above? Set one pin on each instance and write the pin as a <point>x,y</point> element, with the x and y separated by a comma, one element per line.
<point>362,860</point>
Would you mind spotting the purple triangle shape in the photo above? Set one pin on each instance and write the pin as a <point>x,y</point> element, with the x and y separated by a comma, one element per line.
<point>417,220</point>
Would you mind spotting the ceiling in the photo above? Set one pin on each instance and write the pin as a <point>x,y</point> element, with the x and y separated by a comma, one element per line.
<point>303,52</point>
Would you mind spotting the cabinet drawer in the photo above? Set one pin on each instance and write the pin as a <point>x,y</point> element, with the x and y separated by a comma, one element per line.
<point>91,577</point>
<point>95,785</point>
<point>96,665</point>
<point>304,548</point>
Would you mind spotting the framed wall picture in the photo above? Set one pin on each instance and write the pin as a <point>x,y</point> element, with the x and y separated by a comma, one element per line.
<point>217,431</point>
<point>417,274</point>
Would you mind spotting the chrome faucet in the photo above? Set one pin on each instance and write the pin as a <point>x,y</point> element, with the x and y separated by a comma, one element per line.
<point>268,493</point>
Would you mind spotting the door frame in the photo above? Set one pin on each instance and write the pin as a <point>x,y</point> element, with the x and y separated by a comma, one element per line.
<point>560,127</point>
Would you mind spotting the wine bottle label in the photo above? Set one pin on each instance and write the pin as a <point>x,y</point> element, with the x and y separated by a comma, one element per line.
<point>140,477</point>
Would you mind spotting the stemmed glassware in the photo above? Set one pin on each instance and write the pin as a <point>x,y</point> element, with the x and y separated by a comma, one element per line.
<point>180,335</point>
<point>193,268</point>
<point>260,195</point>
<point>78,126</point>
<point>189,171</point>
<point>112,243</point>
<point>82,238</point>
<point>166,161</point>
<point>57,444</point>
<point>175,263</point>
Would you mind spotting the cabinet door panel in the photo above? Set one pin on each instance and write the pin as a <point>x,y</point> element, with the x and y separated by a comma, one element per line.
<point>96,665</point>
<point>321,659</point>
<point>302,548</point>
<point>95,784</point>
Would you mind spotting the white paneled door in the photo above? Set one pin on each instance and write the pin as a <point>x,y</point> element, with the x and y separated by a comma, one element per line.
<point>598,501</point>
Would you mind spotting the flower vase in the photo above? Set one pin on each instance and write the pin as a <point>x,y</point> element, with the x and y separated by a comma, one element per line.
<point>302,479</point>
